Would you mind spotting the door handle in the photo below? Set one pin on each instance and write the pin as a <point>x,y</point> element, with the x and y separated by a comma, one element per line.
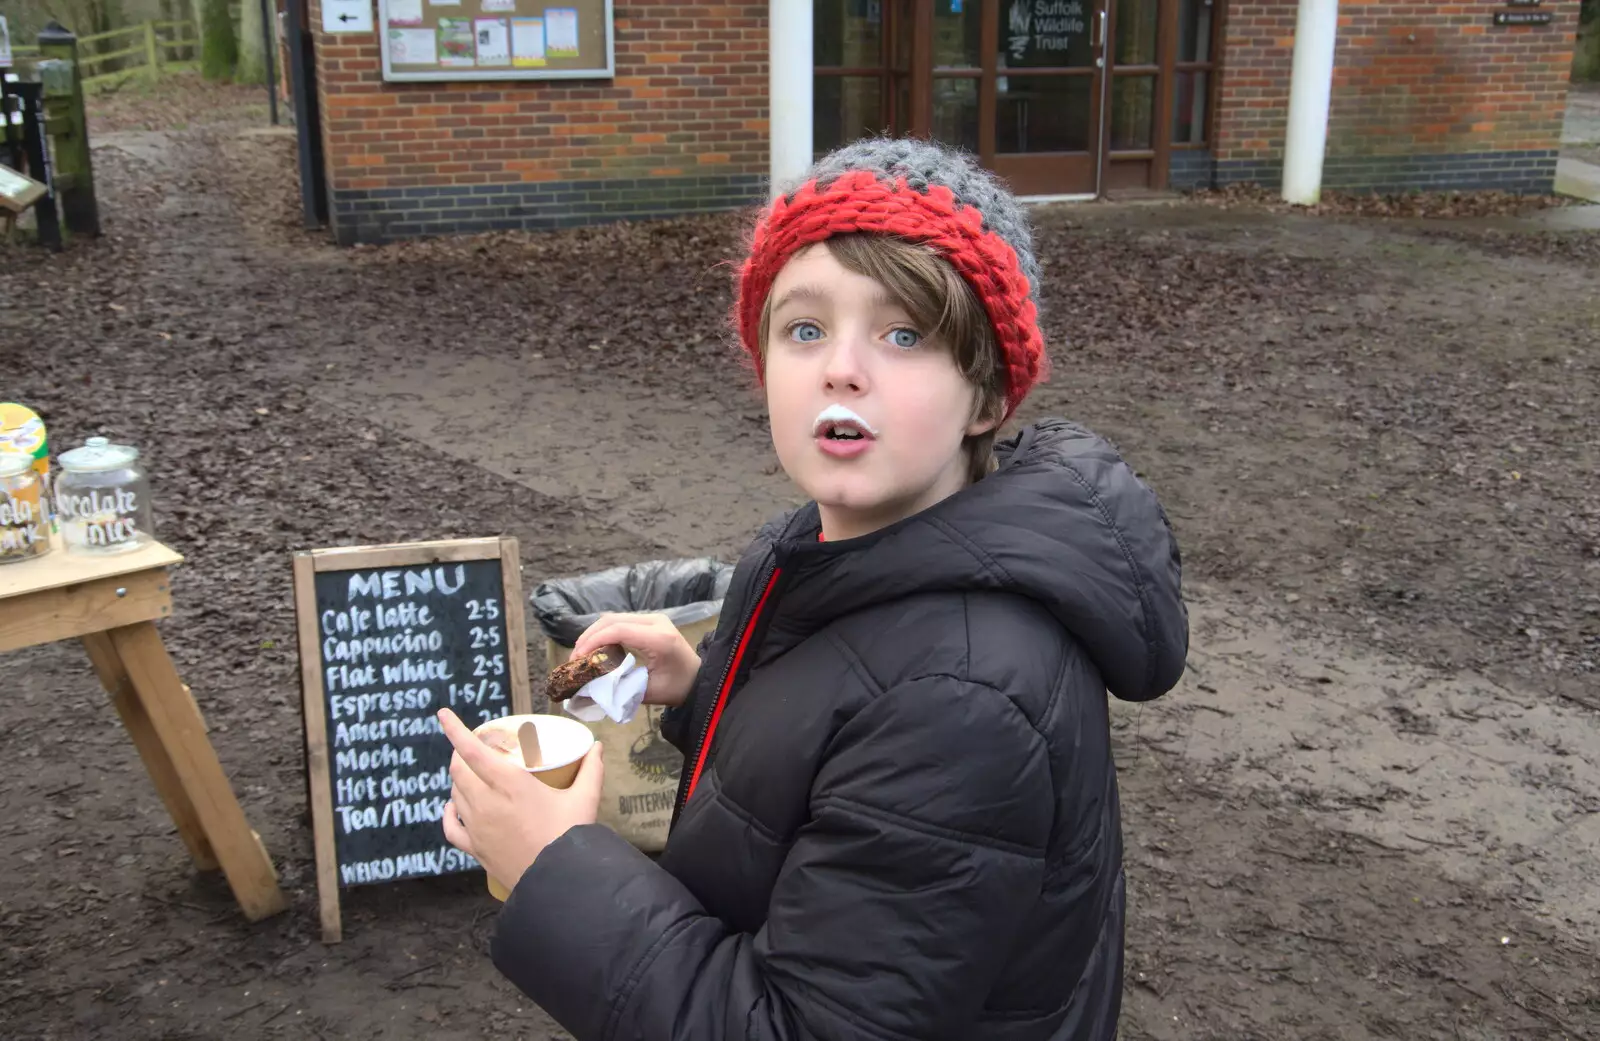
<point>1099,29</point>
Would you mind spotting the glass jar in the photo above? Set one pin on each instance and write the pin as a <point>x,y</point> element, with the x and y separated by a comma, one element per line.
<point>24,529</point>
<point>102,499</point>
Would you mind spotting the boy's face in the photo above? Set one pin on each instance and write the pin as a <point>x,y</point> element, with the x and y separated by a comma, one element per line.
<point>868,413</point>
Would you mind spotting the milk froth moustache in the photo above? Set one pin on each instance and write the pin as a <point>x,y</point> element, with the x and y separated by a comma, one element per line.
<point>841,419</point>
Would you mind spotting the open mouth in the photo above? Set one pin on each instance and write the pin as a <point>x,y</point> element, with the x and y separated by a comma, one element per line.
<point>840,424</point>
<point>843,432</point>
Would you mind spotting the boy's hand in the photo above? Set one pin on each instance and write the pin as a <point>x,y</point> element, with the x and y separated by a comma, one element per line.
<point>504,816</point>
<point>656,643</point>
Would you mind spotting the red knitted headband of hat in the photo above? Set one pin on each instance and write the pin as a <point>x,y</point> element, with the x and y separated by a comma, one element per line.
<point>859,202</point>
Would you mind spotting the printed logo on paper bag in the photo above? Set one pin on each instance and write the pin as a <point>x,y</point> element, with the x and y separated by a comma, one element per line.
<point>652,756</point>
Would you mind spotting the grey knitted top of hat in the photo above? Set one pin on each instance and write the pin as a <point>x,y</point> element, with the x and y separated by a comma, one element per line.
<point>926,163</point>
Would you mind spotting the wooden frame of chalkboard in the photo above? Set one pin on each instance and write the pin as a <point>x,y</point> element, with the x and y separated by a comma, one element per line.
<point>388,635</point>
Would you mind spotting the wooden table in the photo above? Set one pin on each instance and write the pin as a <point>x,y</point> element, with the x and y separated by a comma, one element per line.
<point>111,604</point>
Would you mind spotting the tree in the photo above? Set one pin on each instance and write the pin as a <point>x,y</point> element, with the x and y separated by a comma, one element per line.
<point>253,37</point>
<point>83,17</point>
<point>218,49</point>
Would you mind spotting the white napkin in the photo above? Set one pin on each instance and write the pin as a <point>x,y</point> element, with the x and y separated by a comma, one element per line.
<point>617,694</point>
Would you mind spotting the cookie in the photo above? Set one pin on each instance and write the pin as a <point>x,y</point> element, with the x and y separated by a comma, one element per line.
<point>568,678</point>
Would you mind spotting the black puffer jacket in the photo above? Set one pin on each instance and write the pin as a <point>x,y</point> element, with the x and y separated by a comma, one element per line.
<point>905,823</point>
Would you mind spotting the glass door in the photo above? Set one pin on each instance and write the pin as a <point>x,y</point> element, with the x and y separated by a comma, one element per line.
<point>854,81</point>
<point>956,70</point>
<point>1021,84</point>
<point>1049,95</point>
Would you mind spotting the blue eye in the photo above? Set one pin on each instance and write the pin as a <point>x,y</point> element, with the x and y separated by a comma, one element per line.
<point>905,339</point>
<point>805,332</point>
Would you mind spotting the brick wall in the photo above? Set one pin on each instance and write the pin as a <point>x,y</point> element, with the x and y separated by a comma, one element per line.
<point>1191,168</point>
<point>1424,95</point>
<point>682,127</point>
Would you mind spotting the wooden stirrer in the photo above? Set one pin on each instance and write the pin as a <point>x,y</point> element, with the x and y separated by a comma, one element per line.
<point>528,737</point>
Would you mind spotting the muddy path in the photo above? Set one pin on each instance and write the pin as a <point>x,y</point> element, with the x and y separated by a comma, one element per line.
<point>1370,811</point>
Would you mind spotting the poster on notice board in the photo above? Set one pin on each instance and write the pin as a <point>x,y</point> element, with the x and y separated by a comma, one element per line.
<point>496,39</point>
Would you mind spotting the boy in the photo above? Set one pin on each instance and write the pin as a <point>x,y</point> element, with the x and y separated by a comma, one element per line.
<point>898,815</point>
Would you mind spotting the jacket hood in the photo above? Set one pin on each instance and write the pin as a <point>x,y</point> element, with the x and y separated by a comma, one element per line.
<point>1064,521</point>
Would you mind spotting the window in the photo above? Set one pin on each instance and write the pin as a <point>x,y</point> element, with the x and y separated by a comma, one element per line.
<point>1133,111</point>
<point>850,88</point>
<point>1191,87</point>
<point>845,108</point>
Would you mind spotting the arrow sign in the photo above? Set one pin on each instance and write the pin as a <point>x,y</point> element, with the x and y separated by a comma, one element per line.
<point>1523,17</point>
<point>347,16</point>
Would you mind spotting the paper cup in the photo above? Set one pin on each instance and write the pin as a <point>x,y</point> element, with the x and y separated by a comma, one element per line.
<point>563,742</point>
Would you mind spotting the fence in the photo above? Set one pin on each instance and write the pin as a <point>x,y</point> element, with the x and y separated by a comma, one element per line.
<point>147,49</point>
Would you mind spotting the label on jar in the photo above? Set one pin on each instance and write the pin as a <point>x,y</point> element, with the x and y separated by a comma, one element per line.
<point>21,430</point>
<point>22,530</point>
<point>100,516</point>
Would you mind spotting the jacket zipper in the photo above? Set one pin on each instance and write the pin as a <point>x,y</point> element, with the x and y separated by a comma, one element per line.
<point>708,731</point>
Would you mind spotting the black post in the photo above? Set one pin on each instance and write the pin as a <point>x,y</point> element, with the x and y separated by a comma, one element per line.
<point>38,152</point>
<point>269,28</point>
<point>63,91</point>
<point>11,120</point>
<point>307,126</point>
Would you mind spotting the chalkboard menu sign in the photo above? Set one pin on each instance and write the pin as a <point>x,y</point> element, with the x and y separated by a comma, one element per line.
<point>388,636</point>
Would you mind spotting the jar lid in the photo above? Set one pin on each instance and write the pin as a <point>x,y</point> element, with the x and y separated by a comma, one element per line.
<point>13,463</point>
<point>98,453</point>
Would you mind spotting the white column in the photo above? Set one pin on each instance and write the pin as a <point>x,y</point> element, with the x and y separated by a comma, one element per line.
<point>789,89</point>
<point>1310,87</point>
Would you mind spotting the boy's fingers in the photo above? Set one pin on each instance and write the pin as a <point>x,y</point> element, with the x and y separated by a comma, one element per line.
<point>592,774</point>
<point>597,635</point>
<point>460,737</point>
<point>479,757</point>
<point>464,784</point>
<point>631,632</point>
<point>454,833</point>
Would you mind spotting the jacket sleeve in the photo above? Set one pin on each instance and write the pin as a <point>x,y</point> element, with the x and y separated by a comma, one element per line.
<point>898,901</point>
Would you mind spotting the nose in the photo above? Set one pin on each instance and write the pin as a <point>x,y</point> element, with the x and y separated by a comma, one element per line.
<point>844,371</point>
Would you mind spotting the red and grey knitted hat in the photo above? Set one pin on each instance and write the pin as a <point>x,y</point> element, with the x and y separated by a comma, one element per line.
<point>925,193</point>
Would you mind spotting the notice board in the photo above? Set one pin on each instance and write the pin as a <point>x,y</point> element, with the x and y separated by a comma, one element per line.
<point>496,39</point>
<point>388,636</point>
